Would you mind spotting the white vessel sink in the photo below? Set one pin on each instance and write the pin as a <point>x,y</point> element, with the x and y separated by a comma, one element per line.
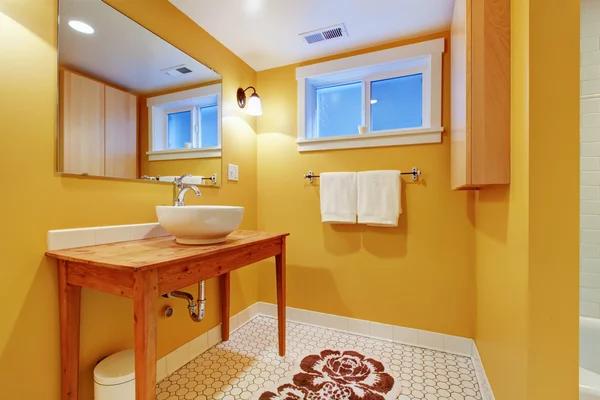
<point>200,224</point>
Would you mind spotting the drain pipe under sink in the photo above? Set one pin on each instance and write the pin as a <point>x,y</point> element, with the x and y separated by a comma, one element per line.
<point>196,307</point>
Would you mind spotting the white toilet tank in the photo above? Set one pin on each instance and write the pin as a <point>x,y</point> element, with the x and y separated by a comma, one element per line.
<point>114,377</point>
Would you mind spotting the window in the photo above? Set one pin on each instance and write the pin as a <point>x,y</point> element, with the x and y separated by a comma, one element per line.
<point>386,98</point>
<point>339,109</point>
<point>397,103</point>
<point>185,124</point>
<point>179,129</point>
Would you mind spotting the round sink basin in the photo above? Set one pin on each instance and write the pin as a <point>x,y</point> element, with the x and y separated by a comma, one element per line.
<point>197,225</point>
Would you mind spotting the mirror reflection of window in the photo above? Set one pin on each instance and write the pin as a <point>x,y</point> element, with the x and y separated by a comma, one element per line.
<point>179,128</point>
<point>106,126</point>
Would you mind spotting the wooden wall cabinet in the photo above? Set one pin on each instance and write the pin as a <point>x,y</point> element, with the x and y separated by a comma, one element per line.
<point>480,93</point>
<point>120,134</point>
<point>81,125</point>
<point>98,128</point>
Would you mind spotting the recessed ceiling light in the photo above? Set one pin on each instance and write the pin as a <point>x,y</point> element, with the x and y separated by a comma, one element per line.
<point>81,27</point>
<point>373,101</point>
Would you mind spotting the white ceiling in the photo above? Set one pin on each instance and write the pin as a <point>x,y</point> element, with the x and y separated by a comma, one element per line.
<point>264,33</point>
<point>122,52</point>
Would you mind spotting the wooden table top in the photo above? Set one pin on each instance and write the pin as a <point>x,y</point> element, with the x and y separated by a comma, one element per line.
<point>145,254</point>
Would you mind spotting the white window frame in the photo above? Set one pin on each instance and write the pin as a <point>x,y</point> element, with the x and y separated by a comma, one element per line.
<point>424,57</point>
<point>159,107</point>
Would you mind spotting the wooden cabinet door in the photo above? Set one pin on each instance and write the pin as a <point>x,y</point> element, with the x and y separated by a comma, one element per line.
<point>460,56</point>
<point>81,125</point>
<point>480,93</point>
<point>121,134</point>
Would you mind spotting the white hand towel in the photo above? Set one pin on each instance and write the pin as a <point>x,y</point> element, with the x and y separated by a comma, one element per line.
<point>379,198</point>
<point>338,197</point>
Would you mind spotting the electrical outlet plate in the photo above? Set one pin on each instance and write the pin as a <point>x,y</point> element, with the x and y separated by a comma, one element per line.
<point>232,172</point>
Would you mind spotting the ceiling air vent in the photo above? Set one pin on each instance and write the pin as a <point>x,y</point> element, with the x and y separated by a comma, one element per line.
<point>177,71</point>
<point>322,35</point>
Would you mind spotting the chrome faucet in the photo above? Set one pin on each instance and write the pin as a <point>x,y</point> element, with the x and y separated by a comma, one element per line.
<point>180,189</point>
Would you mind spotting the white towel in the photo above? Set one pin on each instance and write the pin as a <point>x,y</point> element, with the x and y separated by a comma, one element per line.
<point>338,197</point>
<point>379,198</point>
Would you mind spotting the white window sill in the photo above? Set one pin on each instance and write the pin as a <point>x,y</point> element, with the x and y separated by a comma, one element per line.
<point>383,139</point>
<point>184,154</point>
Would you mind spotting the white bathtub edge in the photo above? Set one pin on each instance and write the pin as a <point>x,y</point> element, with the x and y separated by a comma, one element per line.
<point>484,384</point>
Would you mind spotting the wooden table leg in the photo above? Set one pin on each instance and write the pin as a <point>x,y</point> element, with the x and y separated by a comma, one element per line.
<point>145,295</point>
<point>281,302</point>
<point>225,280</point>
<point>70,308</point>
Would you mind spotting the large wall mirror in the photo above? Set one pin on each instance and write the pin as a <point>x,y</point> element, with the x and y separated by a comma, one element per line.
<point>131,105</point>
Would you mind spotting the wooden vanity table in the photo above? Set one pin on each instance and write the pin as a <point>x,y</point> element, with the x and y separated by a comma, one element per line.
<point>145,269</point>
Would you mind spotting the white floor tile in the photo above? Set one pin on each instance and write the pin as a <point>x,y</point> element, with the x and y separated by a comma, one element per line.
<point>249,362</point>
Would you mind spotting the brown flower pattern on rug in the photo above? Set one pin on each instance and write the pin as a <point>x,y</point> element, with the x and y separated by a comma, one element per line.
<point>338,375</point>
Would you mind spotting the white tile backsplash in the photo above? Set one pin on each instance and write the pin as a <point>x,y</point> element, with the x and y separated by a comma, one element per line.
<point>590,295</point>
<point>590,134</point>
<point>589,263</point>
<point>590,222</point>
<point>147,231</point>
<point>590,164</point>
<point>590,43</point>
<point>81,237</point>
<point>589,251</point>
<point>112,234</point>
<point>590,280</point>
<point>590,72</point>
<point>71,238</point>
<point>589,309</point>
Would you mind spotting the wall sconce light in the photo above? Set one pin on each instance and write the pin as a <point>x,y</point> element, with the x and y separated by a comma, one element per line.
<point>252,104</point>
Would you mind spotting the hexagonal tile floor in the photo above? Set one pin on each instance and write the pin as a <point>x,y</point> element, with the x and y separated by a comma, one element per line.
<point>248,363</point>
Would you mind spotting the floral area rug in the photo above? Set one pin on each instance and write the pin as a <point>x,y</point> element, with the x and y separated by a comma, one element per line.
<point>336,375</point>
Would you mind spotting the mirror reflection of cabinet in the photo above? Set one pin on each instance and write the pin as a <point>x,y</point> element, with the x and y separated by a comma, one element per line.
<point>98,128</point>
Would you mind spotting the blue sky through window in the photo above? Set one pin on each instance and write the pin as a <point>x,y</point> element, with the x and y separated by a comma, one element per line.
<point>179,129</point>
<point>339,109</point>
<point>209,126</point>
<point>397,103</point>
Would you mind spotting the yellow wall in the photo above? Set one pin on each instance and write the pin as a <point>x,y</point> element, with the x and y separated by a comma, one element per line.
<point>422,274</point>
<point>418,275</point>
<point>526,241</point>
<point>35,200</point>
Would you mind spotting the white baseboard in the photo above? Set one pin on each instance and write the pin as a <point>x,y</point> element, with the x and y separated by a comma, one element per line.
<point>484,384</point>
<point>414,337</point>
<point>398,334</point>
<point>189,351</point>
